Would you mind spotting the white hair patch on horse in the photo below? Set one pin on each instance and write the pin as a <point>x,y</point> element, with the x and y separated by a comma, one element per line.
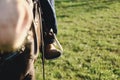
<point>15,21</point>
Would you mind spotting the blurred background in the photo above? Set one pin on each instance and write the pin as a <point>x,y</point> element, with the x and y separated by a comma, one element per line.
<point>89,32</point>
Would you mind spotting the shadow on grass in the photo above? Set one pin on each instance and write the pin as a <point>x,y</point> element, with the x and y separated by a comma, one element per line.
<point>87,5</point>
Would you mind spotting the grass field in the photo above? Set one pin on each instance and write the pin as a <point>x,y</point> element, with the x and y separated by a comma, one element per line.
<point>89,31</point>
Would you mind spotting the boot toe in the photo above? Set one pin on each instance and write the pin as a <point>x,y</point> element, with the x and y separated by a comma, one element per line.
<point>52,54</point>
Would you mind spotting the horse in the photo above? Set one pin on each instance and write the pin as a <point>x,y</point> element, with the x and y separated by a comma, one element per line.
<point>20,38</point>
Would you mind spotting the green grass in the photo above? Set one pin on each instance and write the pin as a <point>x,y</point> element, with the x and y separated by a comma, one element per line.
<point>89,31</point>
